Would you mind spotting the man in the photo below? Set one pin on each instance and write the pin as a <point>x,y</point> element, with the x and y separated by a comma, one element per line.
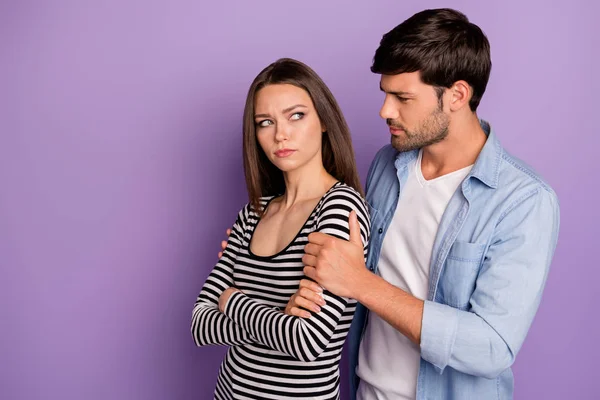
<point>462,232</point>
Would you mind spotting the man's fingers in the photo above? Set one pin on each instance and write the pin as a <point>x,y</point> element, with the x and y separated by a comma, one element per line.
<point>311,272</point>
<point>309,260</point>
<point>319,238</point>
<point>312,249</point>
<point>224,243</point>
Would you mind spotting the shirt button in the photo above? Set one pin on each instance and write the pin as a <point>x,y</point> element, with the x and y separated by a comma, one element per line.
<point>370,267</point>
<point>380,230</point>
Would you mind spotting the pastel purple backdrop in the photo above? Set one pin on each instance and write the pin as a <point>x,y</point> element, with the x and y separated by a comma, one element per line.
<point>120,169</point>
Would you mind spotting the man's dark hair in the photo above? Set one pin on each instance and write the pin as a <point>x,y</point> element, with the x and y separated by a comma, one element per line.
<point>443,46</point>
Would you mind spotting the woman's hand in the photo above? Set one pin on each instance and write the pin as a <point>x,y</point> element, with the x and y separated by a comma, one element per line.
<point>309,296</point>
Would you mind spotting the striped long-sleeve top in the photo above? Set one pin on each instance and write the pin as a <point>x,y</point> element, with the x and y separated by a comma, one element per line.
<point>273,355</point>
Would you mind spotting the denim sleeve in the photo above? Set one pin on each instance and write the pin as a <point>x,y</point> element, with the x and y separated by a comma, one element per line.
<point>383,155</point>
<point>484,341</point>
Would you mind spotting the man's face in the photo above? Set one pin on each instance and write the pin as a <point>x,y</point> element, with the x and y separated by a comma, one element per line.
<point>413,111</point>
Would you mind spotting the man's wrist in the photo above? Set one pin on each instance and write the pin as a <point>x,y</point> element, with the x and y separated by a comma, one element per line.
<point>364,287</point>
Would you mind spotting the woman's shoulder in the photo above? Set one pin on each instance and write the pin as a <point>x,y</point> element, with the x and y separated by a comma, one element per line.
<point>251,211</point>
<point>336,206</point>
<point>344,196</point>
<point>342,191</point>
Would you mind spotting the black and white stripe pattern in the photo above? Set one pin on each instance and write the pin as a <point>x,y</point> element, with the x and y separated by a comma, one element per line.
<point>273,355</point>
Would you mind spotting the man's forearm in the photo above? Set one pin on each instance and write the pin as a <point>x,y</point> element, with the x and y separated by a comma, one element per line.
<point>397,307</point>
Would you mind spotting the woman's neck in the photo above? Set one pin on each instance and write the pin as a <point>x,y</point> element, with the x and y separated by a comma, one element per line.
<point>305,184</point>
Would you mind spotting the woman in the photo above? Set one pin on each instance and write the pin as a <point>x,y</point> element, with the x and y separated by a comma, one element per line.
<point>301,178</point>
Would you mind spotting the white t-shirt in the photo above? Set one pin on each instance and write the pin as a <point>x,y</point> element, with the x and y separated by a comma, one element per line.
<point>388,362</point>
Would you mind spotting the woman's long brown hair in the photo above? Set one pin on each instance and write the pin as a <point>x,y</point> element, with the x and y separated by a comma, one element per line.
<point>265,179</point>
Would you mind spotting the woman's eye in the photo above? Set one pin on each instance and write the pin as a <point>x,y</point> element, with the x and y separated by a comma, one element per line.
<point>297,116</point>
<point>264,123</point>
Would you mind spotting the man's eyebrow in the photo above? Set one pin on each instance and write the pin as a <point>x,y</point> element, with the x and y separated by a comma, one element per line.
<point>399,93</point>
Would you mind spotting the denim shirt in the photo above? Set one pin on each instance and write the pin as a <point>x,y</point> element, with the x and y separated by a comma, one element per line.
<point>489,265</point>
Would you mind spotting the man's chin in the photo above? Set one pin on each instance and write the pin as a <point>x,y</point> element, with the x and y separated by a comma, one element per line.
<point>402,145</point>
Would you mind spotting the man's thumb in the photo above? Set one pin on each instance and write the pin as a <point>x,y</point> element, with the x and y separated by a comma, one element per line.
<point>354,229</point>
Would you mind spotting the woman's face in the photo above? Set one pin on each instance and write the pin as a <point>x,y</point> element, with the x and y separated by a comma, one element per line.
<point>288,128</point>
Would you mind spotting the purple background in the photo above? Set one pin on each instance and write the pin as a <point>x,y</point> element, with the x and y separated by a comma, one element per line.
<point>120,169</point>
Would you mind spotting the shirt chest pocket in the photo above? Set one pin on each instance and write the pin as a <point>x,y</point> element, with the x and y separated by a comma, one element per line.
<point>373,214</point>
<point>457,281</point>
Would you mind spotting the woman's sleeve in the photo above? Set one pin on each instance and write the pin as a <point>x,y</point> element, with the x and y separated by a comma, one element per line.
<point>209,325</point>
